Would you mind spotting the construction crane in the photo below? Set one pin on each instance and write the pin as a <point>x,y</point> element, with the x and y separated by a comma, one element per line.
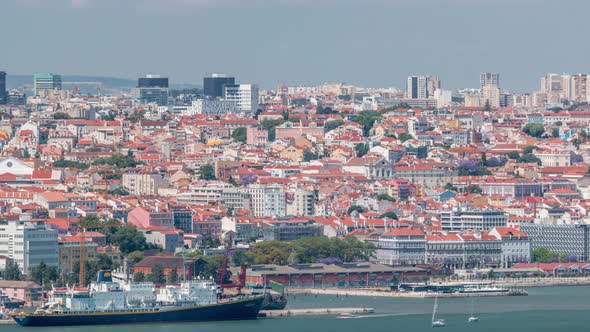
<point>83,259</point>
<point>223,269</point>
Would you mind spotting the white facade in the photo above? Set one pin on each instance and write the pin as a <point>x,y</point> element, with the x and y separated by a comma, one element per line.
<point>213,106</point>
<point>246,95</point>
<point>491,94</point>
<point>29,244</point>
<point>267,200</point>
<point>443,98</point>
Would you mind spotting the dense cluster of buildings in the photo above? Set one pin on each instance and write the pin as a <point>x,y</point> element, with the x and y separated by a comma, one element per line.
<point>470,178</point>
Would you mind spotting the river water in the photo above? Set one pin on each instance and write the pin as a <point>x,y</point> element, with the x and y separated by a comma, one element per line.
<point>545,309</point>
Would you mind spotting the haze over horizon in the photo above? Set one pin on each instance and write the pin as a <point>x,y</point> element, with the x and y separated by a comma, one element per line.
<point>375,43</point>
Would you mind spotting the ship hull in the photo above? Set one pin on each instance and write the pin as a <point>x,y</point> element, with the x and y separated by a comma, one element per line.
<point>235,310</point>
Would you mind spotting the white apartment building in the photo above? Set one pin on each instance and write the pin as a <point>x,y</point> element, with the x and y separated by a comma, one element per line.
<point>553,158</point>
<point>246,95</point>
<point>300,203</point>
<point>267,200</point>
<point>29,244</point>
<point>443,97</point>
<point>462,219</point>
<point>142,183</point>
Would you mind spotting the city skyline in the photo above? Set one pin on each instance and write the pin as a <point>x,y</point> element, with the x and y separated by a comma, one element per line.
<point>379,43</point>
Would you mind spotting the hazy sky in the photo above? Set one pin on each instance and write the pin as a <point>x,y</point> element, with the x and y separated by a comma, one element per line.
<point>364,42</point>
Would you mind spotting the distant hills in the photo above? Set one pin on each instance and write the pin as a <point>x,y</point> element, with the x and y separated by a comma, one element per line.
<point>85,82</point>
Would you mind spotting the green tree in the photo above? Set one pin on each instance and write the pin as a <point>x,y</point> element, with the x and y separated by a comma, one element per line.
<point>241,258</point>
<point>529,158</point>
<point>206,172</point>
<point>135,256</point>
<point>13,272</point>
<point>534,129</point>
<point>69,164</point>
<point>209,268</point>
<point>367,119</point>
<point>61,116</point>
<point>559,123</point>
<point>173,277</point>
<point>331,125</point>
<point>271,252</point>
<point>157,274</point>
<point>530,149</point>
<point>139,277</point>
<point>543,255</point>
<point>239,134</point>
<point>356,208</point>
<point>232,181</point>
<point>474,189</point>
<point>45,275</point>
<point>577,142</point>
<point>118,160</point>
<point>271,125</point>
<point>404,137</point>
<point>309,156</point>
<point>361,149</point>
<point>513,155</point>
<point>449,186</point>
<point>119,192</point>
<point>385,197</point>
<point>389,214</point>
<point>128,239</point>
<point>555,132</point>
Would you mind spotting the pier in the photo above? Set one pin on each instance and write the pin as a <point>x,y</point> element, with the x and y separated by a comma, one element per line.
<point>387,293</point>
<point>316,312</point>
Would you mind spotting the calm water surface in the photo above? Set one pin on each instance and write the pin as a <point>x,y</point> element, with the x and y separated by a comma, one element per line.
<point>545,309</point>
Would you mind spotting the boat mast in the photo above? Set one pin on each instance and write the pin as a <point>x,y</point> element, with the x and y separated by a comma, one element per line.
<point>434,309</point>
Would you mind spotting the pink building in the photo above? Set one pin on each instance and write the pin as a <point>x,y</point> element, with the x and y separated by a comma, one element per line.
<point>256,136</point>
<point>145,217</point>
<point>289,130</point>
<point>27,291</point>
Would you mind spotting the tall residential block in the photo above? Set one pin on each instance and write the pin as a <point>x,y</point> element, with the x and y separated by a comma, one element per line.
<point>492,79</point>
<point>421,87</point>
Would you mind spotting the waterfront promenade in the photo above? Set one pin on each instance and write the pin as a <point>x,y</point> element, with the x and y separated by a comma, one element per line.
<point>512,283</point>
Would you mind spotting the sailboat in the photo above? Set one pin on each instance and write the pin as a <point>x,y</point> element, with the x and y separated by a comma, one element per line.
<point>472,318</point>
<point>437,322</point>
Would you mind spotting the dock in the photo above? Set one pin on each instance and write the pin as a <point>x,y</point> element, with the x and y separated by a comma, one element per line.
<point>386,293</point>
<point>316,312</point>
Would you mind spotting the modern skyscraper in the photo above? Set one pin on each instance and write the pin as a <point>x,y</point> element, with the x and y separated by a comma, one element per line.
<point>492,79</point>
<point>245,94</point>
<point>45,82</point>
<point>421,87</point>
<point>2,88</point>
<point>214,85</point>
<point>153,89</point>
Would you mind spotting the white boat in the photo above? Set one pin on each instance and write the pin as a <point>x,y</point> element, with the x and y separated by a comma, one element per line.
<point>472,318</point>
<point>437,322</point>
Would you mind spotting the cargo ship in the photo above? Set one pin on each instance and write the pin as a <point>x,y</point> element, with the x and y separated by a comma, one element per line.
<point>106,302</point>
